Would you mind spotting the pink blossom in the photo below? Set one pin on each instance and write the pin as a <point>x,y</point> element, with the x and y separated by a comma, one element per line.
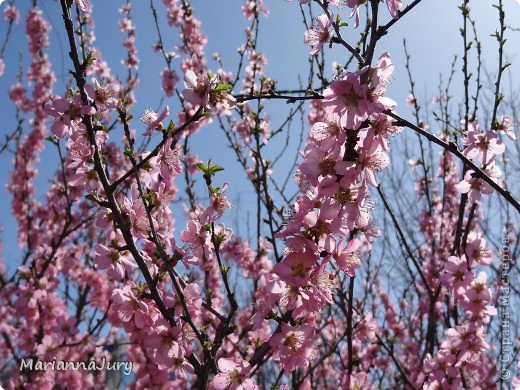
<point>327,134</point>
<point>104,96</point>
<point>11,13</point>
<point>37,28</point>
<point>319,163</point>
<point>508,127</point>
<point>164,341</point>
<point>478,296</point>
<point>116,262</point>
<point>394,6</point>
<point>383,128</point>
<point>251,8</point>
<point>348,98</point>
<point>371,160</point>
<point>295,268</point>
<point>68,112</point>
<point>380,77</point>
<point>476,250</point>
<point>411,100</point>
<point>482,145</point>
<point>202,91</point>
<point>169,81</point>
<point>234,375</point>
<point>198,88</point>
<point>320,34</point>
<point>170,160</point>
<point>85,177</point>
<point>348,258</point>
<point>129,307</point>
<point>359,381</point>
<point>457,276</point>
<point>473,186</point>
<point>153,120</point>
<point>84,5</point>
<point>293,346</point>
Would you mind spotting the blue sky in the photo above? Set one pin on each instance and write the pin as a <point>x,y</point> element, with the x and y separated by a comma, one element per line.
<point>431,31</point>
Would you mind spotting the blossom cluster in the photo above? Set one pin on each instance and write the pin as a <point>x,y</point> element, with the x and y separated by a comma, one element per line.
<point>110,269</point>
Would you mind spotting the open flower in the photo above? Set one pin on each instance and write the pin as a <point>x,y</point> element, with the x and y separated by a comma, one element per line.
<point>233,375</point>
<point>206,91</point>
<point>197,88</point>
<point>484,145</point>
<point>295,268</point>
<point>293,346</point>
<point>114,261</point>
<point>153,120</point>
<point>348,259</point>
<point>320,34</point>
<point>474,186</point>
<point>348,98</point>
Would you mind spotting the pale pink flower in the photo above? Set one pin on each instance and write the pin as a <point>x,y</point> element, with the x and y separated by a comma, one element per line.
<point>165,343</point>
<point>251,8</point>
<point>115,262</point>
<point>234,375</point>
<point>202,91</point>
<point>354,4</point>
<point>357,381</point>
<point>104,96</point>
<point>348,98</point>
<point>197,88</point>
<point>348,258</point>
<point>37,28</point>
<point>295,268</point>
<point>153,120</point>
<point>169,160</point>
<point>328,134</point>
<point>319,163</point>
<point>478,296</point>
<point>508,127</point>
<point>475,186</point>
<point>410,100</point>
<point>371,159</point>
<point>68,113</point>
<point>482,145</point>
<point>85,177</point>
<point>11,13</point>
<point>469,336</point>
<point>169,81</point>
<point>320,34</point>
<point>84,5</point>
<point>383,128</point>
<point>477,252</point>
<point>293,346</point>
<point>457,274</point>
<point>379,78</point>
<point>394,6</point>
<point>129,307</point>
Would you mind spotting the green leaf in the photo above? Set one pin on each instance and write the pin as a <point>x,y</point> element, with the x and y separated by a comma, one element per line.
<point>129,152</point>
<point>91,197</point>
<point>222,87</point>
<point>203,167</point>
<point>214,169</point>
